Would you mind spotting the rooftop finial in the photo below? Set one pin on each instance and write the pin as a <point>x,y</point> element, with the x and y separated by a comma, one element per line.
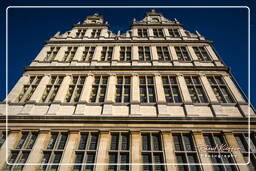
<point>96,14</point>
<point>153,10</point>
<point>134,19</point>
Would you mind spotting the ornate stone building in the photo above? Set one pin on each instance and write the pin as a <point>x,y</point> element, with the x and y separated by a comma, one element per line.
<point>157,97</point>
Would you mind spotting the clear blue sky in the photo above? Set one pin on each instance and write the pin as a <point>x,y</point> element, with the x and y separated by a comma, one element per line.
<point>30,28</point>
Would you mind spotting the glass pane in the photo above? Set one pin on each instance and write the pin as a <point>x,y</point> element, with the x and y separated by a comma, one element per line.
<point>83,141</point>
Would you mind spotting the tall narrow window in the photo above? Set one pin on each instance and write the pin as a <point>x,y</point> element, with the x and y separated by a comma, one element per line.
<point>88,53</point>
<point>86,152</point>
<point>163,53</point>
<point>201,53</point>
<point>21,152</point>
<point>123,87</point>
<point>171,89</point>
<point>152,152</point>
<point>106,53</point>
<point>158,33</point>
<point>69,54</point>
<point>99,88</point>
<point>53,152</point>
<point>2,138</point>
<point>96,33</point>
<point>142,33</point>
<point>75,89</point>
<point>195,89</point>
<point>144,53</point>
<point>174,32</point>
<point>29,88</point>
<point>182,53</point>
<point>51,89</point>
<point>51,54</point>
<point>221,156</point>
<point>119,152</point>
<point>242,140</point>
<point>147,89</point>
<point>80,33</point>
<point>125,53</point>
<point>220,89</point>
<point>185,151</point>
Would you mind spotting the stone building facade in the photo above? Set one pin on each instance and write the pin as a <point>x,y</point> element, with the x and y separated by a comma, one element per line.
<point>156,98</point>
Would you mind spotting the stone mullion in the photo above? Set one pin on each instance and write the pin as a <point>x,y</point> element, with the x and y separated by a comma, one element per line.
<point>184,89</point>
<point>136,145</point>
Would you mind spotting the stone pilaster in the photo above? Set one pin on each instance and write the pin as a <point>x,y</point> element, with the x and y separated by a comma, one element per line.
<point>37,95</point>
<point>173,53</point>
<point>42,54</point>
<point>236,93</point>
<point>116,54</point>
<point>135,54</point>
<point>15,92</point>
<point>72,33</point>
<point>169,151</point>
<point>200,145</point>
<point>231,140</point>
<point>36,153</point>
<point>135,95</point>
<point>211,52</point>
<point>192,53</point>
<point>166,32</point>
<point>208,89</point>
<point>102,155</point>
<point>79,53</point>
<point>184,89</point>
<point>136,145</point>
<point>154,54</point>
<point>88,33</point>
<point>150,33</point>
<point>104,33</point>
<point>62,92</point>
<point>159,89</point>
<point>96,55</point>
<point>69,152</point>
<point>182,32</point>
<point>110,95</point>
<point>60,55</point>
<point>11,141</point>
<point>85,94</point>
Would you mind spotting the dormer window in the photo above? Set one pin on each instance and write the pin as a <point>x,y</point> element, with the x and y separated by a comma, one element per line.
<point>94,21</point>
<point>155,20</point>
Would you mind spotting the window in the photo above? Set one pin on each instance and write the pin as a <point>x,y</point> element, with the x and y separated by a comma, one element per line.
<point>2,138</point>
<point>171,89</point>
<point>125,53</point>
<point>86,152</point>
<point>144,53</point>
<point>80,33</point>
<point>69,54</point>
<point>142,33</point>
<point>163,53</point>
<point>106,53</point>
<point>174,32</point>
<point>21,152</point>
<point>220,156</point>
<point>119,152</point>
<point>88,53</point>
<point>182,53</point>
<point>201,53</point>
<point>51,54</point>
<point>99,89</point>
<point>53,152</point>
<point>220,89</point>
<point>51,89</point>
<point>96,33</point>
<point>123,89</point>
<point>185,152</point>
<point>158,33</point>
<point>29,88</point>
<point>75,89</point>
<point>147,89</point>
<point>152,152</point>
<point>195,89</point>
<point>242,140</point>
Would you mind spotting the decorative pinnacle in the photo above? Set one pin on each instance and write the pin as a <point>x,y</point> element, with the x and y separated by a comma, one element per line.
<point>96,14</point>
<point>198,34</point>
<point>153,10</point>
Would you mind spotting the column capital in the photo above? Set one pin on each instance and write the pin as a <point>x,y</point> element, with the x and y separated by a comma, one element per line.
<point>112,74</point>
<point>165,131</point>
<point>15,130</point>
<point>89,74</point>
<point>104,131</point>
<point>202,74</point>
<point>73,131</point>
<point>179,74</point>
<point>197,132</point>
<point>134,131</point>
<point>157,74</point>
<point>135,74</point>
<point>225,75</point>
<point>44,130</point>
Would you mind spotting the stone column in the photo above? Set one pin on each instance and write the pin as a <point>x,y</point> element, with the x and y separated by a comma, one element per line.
<point>184,89</point>
<point>231,140</point>
<point>134,32</point>
<point>169,151</point>
<point>36,154</point>
<point>166,32</point>
<point>102,155</point>
<point>85,95</point>
<point>236,93</point>
<point>208,88</point>
<point>150,33</point>
<point>79,54</point>
<point>136,145</point>
<point>69,152</point>
<point>60,55</point>
<point>192,53</point>
<point>135,95</point>
<point>154,55</point>
<point>116,54</point>
<point>16,90</point>
<point>173,53</point>
<point>11,141</point>
<point>96,55</point>
<point>37,95</point>
<point>110,95</point>
<point>161,102</point>
<point>135,55</point>
<point>42,54</point>
<point>62,92</point>
<point>200,145</point>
